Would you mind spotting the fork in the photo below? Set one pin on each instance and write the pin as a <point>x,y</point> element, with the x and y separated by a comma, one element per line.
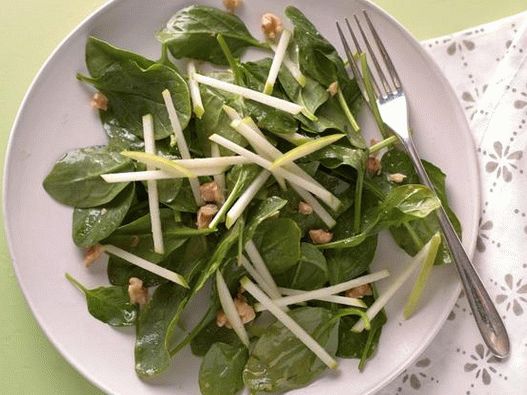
<point>392,105</point>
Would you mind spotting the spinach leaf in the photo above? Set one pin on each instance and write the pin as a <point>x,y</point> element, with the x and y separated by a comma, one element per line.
<point>192,31</point>
<point>110,305</point>
<point>221,369</point>
<point>134,91</point>
<point>119,137</point>
<point>310,273</point>
<point>278,241</point>
<point>412,236</point>
<point>211,334</point>
<point>402,204</point>
<point>311,96</point>
<point>75,179</point>
<point>268,118</point>
<point>102,56</point>
<point>183,200</point>
<point>360,345</point>
<point>91,225</point>
<point>334,156</point>
<point>262,211</point>
<point>317,57</point>
<point>214,120</point>
<point>160,316</point>
<point>279,361</point>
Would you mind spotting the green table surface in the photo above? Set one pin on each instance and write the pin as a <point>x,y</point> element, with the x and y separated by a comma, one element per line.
<point>29,31</point>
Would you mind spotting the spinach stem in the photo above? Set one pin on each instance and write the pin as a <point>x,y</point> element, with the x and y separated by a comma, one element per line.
<point>344,106</point>
<point>358,202</point>
<point>230,59</point>
<point>383,144</point>
<point>164,56</point>
<point>414,236</point>
<point>372,99</point>
<point>77,284</point>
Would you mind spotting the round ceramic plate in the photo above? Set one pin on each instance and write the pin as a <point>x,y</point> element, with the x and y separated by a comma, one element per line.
<point>55,118</point>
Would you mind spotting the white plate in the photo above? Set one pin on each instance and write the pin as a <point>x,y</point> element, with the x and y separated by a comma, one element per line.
<point>55,118</point>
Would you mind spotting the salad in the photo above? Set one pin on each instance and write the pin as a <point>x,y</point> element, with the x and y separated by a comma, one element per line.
<point>249,181</point>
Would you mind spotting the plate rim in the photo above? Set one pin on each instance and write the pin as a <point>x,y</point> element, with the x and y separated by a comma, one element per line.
<point>476,203</point>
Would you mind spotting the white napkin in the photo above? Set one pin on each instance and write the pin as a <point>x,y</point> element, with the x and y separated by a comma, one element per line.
<point>487,66</point>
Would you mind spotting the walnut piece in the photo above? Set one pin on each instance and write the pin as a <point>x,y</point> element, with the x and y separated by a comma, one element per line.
<point>320,236</point>
<point>232,5</point>
<point>138,294</point>
<point>396,177</point>
<point>205,215</point>
<point>271,26</point>
<point>333,88</point>
<point>92,254</point>
<point>373,166</point>
<point>99,101</point>
<point>244,309</point>
<point>359,292</point>
<point>304,208</point>
<point>211,192</point>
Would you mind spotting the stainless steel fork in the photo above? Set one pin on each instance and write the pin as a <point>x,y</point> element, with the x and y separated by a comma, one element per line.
<point>391,102</point>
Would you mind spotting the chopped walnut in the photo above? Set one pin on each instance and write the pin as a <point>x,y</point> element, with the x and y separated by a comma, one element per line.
<point>205,215</point>
<point>333,88</point>
<point>396,177</point>
<point>271,26</point>
<point>359,292</point>
<point>138,294</point>
<point>373,141</point>
<point>244,309</point>
<point>304,208</point>
<point>92,254</point>
<point>99,101</point>
<point>211,192</point>
<point>232,5</point>
<point>320,236</point>
<point>373,166</point>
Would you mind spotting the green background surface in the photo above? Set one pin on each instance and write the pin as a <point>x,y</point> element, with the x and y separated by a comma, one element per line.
<point>29,31</point>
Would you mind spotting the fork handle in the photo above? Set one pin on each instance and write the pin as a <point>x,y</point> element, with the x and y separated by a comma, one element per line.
<point>487,317</point>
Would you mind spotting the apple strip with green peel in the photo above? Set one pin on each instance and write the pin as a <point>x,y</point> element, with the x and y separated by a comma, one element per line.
<point>229,308</point>
<point>293,68</point>
<point>274,294</point>
<point>158,175</point>
<point>332,290</point>
<point>250,94</point>
<point>324,195</point>
<point>279,54</point>
<point>195,95</point>
<point>411,266</point>
<point>159,162</point>
<point>245,198</point>
<point>153,195</point>
<point>181,142</point>
<point>146,265</point>
<point>289,323</point>
<point>261,267</point>
<point>343,300</point>
<point>306,149</point>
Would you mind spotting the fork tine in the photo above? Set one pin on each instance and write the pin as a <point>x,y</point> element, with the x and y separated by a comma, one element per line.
<point>349,54</point>
<point>384,81</point>
<point>384,53</point>
<point>359,50</point>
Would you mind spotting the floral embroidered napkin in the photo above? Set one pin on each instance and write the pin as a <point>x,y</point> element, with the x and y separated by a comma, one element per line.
<point>487,66</point>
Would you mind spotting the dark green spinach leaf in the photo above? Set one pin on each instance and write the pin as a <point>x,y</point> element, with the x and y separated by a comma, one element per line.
<point>192,31</point>
<point>279,361</point>
<point>221,369</point>
<point>110,305</point>
<point>76,181</point>
<point>278,241</point>
<point>310,273</point>
<point>91,225</point>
